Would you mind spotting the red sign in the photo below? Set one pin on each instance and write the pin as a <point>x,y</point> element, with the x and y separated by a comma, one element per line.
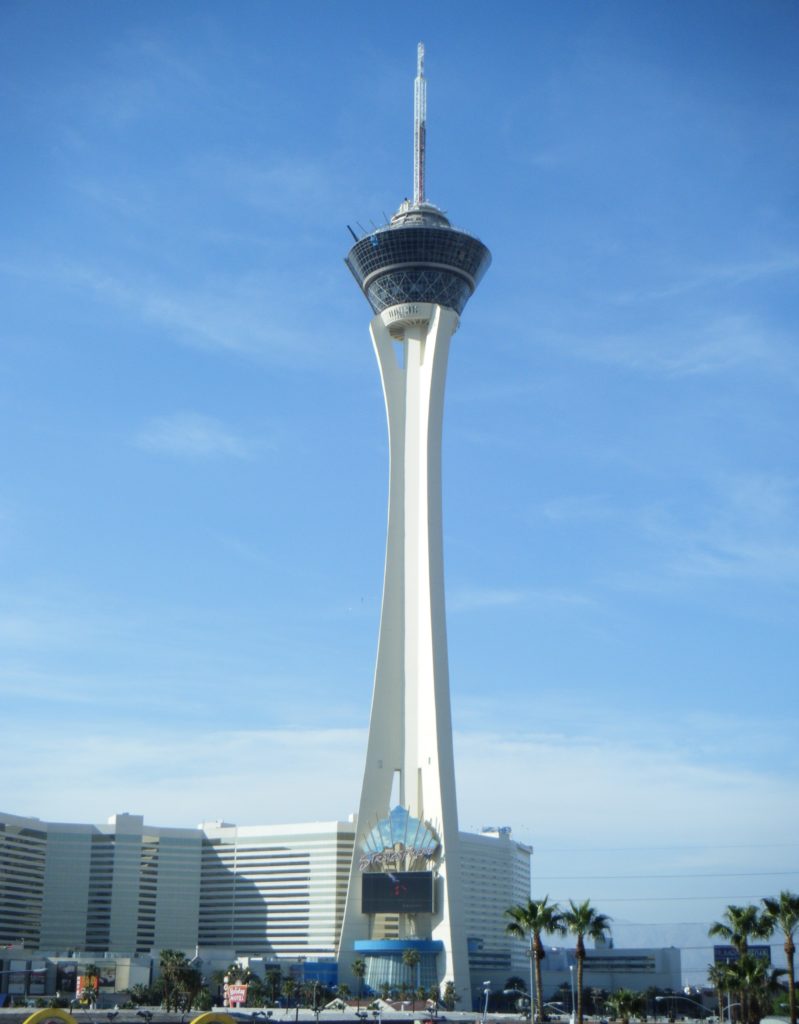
<point>83,983</point>
<point>236,995</point>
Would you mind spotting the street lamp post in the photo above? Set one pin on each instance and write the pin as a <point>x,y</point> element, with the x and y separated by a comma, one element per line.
<point>675,996</point>
<point>571,976</point>
<point>487,993</point>
<point>300,983</point>
<point>729,1010</point>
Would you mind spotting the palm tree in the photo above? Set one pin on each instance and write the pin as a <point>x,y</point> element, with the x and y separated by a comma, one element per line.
<point>529,921</point>
<point>189,983</point>
<point>741,925</point>
<point>274,977</point>
<point>172,964</point>
<point>719,977</point>
<point>449,997</point>
<point>783,914</point>
<point>359,970</point>
<point>623,1003</point>
<point>584,920</point>
<point>770,992</point>
<point>90,974</point>
<point>140,995</point>
<point>289,988</point>
<point>257,991</point>
<point>748,975</point>
<point>412,958</point>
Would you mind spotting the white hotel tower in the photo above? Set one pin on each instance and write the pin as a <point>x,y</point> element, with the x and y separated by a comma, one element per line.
<point>405,890</point>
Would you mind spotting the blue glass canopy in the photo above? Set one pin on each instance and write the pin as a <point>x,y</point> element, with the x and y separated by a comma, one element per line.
<point>401,830</point>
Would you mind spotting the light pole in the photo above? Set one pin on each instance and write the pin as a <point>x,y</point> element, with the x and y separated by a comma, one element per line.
<point>487,993</point>
<point>676,995</point>
<point>522,1000</point>
<point>316,1009</point>
<point>729,1010</point>
<point>571,977</point>
<point>300,983</point>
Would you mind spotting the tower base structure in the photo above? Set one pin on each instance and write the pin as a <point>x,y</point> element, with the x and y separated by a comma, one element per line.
<point>407,827</point>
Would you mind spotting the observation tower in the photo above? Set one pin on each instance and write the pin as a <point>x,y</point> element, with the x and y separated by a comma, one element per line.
<point>417,273</point>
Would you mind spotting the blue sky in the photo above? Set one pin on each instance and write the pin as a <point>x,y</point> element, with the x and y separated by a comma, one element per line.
<point>194,466</point>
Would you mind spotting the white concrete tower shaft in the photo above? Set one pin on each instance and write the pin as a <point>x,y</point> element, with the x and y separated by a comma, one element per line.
<point>417,273</point>
<point>410,729</point>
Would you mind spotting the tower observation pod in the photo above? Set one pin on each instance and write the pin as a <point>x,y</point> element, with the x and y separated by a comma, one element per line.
<point>417,273</point>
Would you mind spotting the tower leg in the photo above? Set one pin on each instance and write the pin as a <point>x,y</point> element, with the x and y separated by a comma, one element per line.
<point>410,729</point>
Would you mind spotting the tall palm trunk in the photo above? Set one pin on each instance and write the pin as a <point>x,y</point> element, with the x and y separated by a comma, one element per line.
<point>790,949</point>
<point>579,954</point>
<point>538,951</point>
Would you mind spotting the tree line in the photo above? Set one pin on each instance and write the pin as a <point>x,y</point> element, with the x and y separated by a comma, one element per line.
<point>749,978</point>
<point>180,986</point>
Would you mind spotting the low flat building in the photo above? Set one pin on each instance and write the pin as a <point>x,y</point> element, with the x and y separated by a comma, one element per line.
<point>610,969</point>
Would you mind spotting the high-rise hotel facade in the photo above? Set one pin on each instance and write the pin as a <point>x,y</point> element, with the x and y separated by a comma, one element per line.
<point>272,892</point>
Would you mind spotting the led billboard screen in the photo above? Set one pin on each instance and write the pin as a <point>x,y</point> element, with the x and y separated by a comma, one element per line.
<point>397,892</point>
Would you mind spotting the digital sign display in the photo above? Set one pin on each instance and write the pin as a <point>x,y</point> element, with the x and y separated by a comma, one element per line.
<point>397,892</point>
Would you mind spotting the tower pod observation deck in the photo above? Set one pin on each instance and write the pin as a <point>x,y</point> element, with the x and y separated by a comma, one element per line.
<point>418,257</point>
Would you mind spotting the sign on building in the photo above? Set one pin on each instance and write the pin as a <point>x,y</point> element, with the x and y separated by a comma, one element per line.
<point>236,995</point>
<point>730,955</point>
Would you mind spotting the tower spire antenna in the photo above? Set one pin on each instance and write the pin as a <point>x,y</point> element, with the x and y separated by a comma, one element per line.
<point>419,127</point>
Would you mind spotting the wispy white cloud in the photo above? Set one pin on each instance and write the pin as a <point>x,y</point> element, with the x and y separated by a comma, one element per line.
<point>624,774</point>
<point>711,275</point>
<point>469,599</point>
<point>185,779</point>
<point>725,344</point>
<point>688,343</point>
<point>550,800</point>
<point>190,435</point>
<point>731,557</point>
<point>245,314</point>
<point>19,680</point>
<point>749,530</point>
<point>246,552</point>
<point>52,623</point>
<point>290,185</point>
<point>574,508</point>
<point>767,499</point>
<point>128,198</point>
<point>140,76</point>
<point>738,527</point>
